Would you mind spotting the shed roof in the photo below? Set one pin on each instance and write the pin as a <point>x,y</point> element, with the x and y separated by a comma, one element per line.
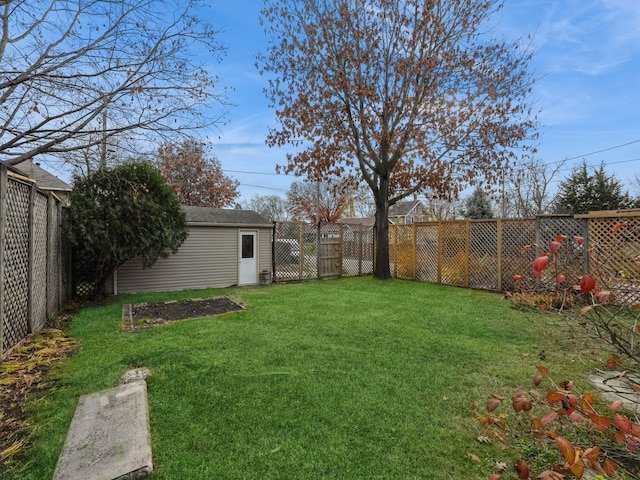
<point>225,217</point>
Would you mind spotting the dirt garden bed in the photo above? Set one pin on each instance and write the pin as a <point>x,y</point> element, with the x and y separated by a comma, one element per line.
<point>137,316</point>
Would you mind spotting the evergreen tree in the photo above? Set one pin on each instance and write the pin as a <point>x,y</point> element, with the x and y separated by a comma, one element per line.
<point>584,192</point>
<point>477,205</point>
<point>119,214</point>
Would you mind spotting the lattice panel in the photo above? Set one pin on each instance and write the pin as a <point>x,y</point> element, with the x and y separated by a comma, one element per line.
<point>16,265</point>
<point>615,256</point>
<point>517,233</point>
<point>549,227</point>
<point>54,255</point>
<point>357,250</point>
<point>288,251</point>
<point>483,255</point>
<point>403,255</point>
<point>454,267</point>
<point>570,258</point>
<point>65,253</point>
<point>427,252</point>
<point>39,299</point>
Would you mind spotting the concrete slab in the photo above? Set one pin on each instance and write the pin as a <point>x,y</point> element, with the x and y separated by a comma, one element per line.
<point>109,436</point>
<point>617,385</point>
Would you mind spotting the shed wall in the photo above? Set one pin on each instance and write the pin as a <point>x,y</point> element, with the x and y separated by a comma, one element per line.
<point>207,258</point>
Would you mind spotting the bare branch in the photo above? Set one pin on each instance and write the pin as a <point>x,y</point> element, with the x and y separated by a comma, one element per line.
<point>63,63</point>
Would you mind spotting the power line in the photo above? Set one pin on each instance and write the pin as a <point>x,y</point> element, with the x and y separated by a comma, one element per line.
<point>605,164</point>
<point>250,173</point>
<point>266,188</point>
<point>595,152</point>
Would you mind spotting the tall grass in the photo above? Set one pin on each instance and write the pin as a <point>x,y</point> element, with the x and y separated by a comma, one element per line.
<point>353,378</point>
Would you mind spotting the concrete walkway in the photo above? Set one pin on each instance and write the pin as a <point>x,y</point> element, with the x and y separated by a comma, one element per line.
<point>109,436</point>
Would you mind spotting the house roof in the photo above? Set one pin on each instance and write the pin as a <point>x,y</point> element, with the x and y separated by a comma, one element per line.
<point>402,209</point>
<point>224,217</point>
<point>44,180</point>
<point>366,221</point>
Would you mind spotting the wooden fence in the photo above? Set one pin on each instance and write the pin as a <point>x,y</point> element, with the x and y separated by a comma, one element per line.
<point>486,254</point>
<point>34,259</point>
<point>482,254</point>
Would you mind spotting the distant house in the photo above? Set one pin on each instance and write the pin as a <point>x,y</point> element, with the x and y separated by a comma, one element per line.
<point>43,179</point>
<point>224,248</point>
<point>403,213</point>
<point>365,221</point>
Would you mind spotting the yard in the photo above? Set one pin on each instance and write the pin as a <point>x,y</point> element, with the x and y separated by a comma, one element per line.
<point>352,378</point>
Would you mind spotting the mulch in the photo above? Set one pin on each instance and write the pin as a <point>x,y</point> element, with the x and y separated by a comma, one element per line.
<point>141,315</point>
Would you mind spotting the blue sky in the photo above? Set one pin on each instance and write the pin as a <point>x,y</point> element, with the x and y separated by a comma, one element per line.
<point>587,56</point>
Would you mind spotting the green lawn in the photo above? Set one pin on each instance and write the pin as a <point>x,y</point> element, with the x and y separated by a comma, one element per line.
<point>349,379</point>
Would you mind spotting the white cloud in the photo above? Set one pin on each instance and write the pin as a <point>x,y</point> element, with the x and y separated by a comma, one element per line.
<point>590,37</point>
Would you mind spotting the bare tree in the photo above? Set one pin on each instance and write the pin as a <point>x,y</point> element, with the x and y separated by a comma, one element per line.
<point>361,203</point>
<point>272,207</point>
<point>405,95</point>
<point>75,73</point>
<point>325,201</point>
<point>530,189</point>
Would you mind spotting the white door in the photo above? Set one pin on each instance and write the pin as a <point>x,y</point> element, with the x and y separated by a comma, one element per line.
<point>248,270</point>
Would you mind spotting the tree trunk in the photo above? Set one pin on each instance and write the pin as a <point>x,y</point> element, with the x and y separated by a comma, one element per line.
<point>381,268</point>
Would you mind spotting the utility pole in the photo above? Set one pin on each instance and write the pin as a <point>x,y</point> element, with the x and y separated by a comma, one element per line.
<point>103,152</point>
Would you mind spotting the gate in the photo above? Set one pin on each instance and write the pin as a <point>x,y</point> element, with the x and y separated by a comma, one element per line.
<point>330,258</point>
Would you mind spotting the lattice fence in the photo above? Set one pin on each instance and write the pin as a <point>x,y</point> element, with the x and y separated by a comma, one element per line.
<point>357,249</point>
<point>34,273</point>
<point>344,250</point>
<point>15,286</point>
<point>483,255</point>
<point>614,243</point>
<point>516,234</point>
<point>427,252</point>
<point>39,262</point>
<point>294,247</point>
<point>454,253</point>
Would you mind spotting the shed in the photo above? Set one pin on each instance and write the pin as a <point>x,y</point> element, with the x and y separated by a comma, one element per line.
<point>224,248</point>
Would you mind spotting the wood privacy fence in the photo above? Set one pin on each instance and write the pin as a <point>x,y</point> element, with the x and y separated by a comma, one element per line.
<point>34,259</point>
<point>482,254</point>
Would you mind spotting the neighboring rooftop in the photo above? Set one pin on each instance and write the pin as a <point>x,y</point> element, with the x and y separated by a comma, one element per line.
<point>44,180</point>
<point>402,209</point>
<point>364,221</point>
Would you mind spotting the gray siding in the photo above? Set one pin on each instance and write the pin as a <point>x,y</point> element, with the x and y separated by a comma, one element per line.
<point>207,258</point>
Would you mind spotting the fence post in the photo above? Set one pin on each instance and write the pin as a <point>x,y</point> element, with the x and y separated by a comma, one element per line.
<point>499,253</point>
<point>3,220</point>
<point>301,251</point>
<point>439,276</point>
<point>414,240</point>
<point>31,274</point>
<point>341,249</point>
<point>360,249</point>
<point>467,253</point>
<point>585,232</point>
<point>51,247</point>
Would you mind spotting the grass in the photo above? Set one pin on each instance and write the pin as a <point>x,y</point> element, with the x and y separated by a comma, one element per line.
<point>352,378</point>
